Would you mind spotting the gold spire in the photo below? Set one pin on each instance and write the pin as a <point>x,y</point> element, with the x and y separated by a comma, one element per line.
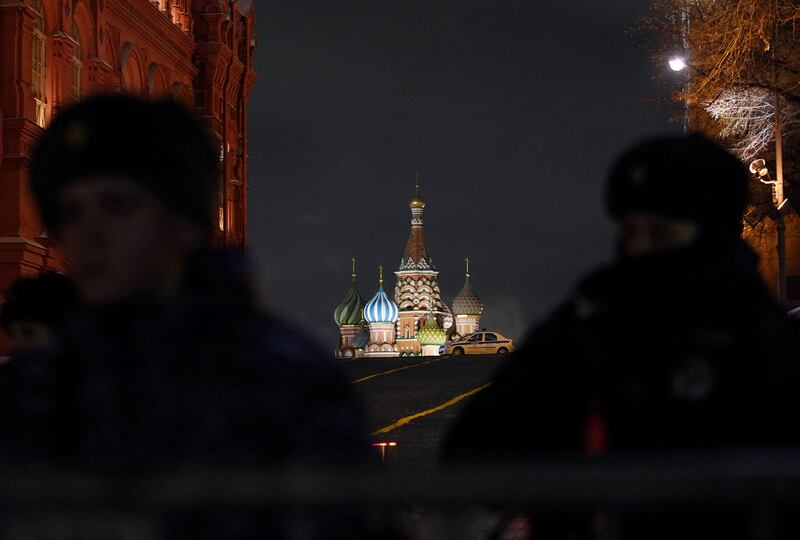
<point>354,275</point>
<point>417,201</point>
<point>467,261</point>
<point>380,275</point>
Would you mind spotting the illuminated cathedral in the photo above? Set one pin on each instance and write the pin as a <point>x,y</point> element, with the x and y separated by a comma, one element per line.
<point>415,320</point>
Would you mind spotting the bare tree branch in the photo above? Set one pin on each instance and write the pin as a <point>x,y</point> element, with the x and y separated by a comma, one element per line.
<point>742,57</point>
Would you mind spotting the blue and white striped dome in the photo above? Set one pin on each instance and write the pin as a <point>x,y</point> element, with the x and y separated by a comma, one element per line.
<point>380,309</point>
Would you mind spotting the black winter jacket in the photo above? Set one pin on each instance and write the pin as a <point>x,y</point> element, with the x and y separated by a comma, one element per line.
<point>207,382</point>
<point>682,349</point>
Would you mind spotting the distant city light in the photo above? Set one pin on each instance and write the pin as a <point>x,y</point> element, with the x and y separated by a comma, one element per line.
<point>677,64</point>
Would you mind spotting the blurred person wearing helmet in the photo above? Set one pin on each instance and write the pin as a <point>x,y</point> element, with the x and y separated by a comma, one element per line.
<point>676,344</point>
<point>173,364</point>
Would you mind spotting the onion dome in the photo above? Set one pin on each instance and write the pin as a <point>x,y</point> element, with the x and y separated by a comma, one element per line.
<point>381,309</point>
<point>350,310</point>
<point>431,334</point>
<point>467,301</point>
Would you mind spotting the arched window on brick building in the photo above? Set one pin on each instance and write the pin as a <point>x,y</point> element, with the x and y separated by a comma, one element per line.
<point>131,70</point>
<point>77,65</point>
<point>39,63</point>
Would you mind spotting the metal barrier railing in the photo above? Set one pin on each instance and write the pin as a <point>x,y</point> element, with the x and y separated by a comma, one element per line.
<point>754,480</point>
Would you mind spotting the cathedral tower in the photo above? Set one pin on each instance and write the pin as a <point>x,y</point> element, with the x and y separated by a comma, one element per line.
<point>417,290</point>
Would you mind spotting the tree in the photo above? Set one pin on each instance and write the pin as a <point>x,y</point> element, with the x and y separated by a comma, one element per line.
<point>743,59</point>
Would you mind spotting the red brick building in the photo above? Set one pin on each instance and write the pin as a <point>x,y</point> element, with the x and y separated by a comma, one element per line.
<point>53,52</point>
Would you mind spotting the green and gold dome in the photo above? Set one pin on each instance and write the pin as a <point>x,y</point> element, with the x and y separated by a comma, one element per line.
<point>431,333</point>
<point>351,311</point>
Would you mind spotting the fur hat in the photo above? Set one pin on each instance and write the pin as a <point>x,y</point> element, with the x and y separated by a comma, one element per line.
<point>157,144</point>
<point>686,177</point>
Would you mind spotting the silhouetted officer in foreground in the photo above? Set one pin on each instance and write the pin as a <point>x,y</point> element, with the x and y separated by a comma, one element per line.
<point>173,366</point>
<point>676,344</point>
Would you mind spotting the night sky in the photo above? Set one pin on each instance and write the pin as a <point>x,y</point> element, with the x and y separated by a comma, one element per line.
<point>511,112</point>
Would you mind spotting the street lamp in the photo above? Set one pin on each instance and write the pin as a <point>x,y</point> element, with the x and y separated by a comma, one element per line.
<point>758,168</point>
<point>677,63</point>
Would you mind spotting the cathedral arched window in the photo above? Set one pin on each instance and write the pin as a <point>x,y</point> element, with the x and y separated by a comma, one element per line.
<point>39,65</point>
<point>77,65</point>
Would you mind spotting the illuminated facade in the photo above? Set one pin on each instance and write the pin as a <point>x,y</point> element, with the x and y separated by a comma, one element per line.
<point>417,291</point>
<point>53,53</point>
<point>418,321</point>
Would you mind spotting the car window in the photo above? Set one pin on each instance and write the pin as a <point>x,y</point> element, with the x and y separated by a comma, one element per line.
<point>475,337</point>
<point>490,337</point>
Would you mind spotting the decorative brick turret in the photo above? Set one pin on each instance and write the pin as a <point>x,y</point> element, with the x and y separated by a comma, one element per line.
<point>417,291</point>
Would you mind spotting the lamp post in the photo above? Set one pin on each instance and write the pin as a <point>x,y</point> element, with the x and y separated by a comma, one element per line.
<point>779,200</point>
<point>759,169</point>
<point>777,188</point>
<point>677,64</point>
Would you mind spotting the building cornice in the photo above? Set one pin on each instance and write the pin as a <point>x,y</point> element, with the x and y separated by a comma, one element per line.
<point>420,272</point>
<point>165,35</point>
<point>20,240</point>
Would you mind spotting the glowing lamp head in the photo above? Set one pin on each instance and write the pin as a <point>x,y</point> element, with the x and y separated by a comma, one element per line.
<point>677,64</point>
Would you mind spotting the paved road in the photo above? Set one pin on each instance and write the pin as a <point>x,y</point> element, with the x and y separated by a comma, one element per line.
<point>414,400</point>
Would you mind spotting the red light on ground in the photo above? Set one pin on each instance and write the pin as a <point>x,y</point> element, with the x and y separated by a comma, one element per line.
<point>387,450</point>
